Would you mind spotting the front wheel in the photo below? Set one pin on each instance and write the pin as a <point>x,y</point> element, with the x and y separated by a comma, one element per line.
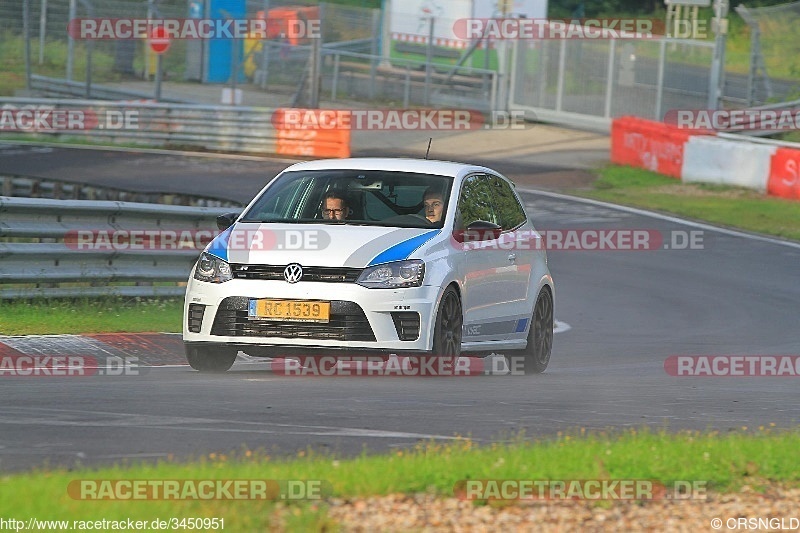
<point>210,359</point>
<point>536,355</point>
<point>447,329</point>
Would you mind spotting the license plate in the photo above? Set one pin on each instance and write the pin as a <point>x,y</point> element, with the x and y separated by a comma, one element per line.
<point>290,310</point>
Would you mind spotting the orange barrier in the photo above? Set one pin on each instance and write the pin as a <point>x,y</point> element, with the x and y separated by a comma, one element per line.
<point>313,139</point>
<point>650,145</point>
<point>784,174</point>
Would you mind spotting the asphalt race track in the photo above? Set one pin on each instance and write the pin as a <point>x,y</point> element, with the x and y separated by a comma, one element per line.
<point>628,311</point>
<point>229,178</point>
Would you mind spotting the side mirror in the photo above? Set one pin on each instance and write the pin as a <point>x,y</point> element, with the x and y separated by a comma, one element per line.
<point>226,221</point>
<point>480,230</point>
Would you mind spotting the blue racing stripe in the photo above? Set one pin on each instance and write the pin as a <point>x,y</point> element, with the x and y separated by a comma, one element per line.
<point>521,325</point>
<point>219,246</point>
<point>402,250</point>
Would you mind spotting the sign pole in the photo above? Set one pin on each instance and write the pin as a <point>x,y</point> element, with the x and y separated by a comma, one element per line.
<point>159,43</point>
<point>158,76</point>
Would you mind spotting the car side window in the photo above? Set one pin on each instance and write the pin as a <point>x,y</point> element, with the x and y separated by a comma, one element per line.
<point>475,201</point>
<point>510,214</point>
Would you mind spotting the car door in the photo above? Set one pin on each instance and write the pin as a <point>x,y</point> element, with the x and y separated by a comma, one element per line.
<point>516,251</point>
<point>482,298</point>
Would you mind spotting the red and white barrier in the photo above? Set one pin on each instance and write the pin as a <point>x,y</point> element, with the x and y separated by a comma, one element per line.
<point>784,174</point>
<point>714,160</point>
<point>701,157</point>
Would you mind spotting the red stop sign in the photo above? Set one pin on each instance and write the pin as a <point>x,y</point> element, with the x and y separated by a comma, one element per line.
<point>159,42</point>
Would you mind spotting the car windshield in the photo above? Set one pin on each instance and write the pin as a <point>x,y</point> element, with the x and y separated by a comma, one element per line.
<point>358,197</point>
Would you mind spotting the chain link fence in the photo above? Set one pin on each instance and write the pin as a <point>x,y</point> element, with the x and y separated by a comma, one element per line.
<point>592,81</point>
<point>128,61</point>
<point>774,52</point>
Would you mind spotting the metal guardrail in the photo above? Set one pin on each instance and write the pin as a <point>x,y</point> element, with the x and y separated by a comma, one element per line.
<point>64,88</point>
<point>57,266</point>
<point>214,128</point>
<point>35,187</point>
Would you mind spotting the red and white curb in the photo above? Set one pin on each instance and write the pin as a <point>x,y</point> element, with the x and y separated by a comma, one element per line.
<point>106,350</point>
<point>148,349</point>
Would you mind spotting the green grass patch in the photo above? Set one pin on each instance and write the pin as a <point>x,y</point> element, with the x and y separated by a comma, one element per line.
<point>723,205</point>
<point>724,462</point>
<point>91,315</point>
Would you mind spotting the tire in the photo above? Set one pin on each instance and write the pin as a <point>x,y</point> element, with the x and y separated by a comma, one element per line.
<point>447,329</point>
<point>536,355</point>
<point>210,359</point>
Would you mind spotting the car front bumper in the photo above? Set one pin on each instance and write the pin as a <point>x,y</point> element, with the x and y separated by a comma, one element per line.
<point>358,315</point>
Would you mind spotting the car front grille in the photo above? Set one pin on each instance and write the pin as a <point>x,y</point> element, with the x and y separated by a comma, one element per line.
<point>347,323</point>
<point>275,272</point>
<point>407,325</point>
<point>195,318</point>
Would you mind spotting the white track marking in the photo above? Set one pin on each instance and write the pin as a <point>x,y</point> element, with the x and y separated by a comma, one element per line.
<point>669,218</point>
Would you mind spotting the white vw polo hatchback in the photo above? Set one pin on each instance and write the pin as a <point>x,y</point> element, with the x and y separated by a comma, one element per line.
<point>370,256</point>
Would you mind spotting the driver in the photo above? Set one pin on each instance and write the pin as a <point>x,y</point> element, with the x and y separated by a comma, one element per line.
<point>334,206</point>
<point>434,205</point>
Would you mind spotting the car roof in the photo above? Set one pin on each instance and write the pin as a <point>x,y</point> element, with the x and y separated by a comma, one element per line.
<point>420,166</point>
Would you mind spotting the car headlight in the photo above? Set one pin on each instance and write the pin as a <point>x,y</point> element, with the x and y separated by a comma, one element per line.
<point>407,273</point>
<point>212,269</point>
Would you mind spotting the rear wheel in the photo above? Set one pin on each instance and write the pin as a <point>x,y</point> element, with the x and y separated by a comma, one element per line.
<point>536,355</point>
<point>447,330</point>
<point>210,359</point>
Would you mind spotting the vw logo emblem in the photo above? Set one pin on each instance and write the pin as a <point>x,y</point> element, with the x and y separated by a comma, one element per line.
<point>293,273</point>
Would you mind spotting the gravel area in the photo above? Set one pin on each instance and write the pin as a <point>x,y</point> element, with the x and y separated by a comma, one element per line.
<point>428,513</point>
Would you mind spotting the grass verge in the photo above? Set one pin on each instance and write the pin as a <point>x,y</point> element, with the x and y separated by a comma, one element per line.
<point>91,315</point>
<point>724,462</point>
<point>718,204</point>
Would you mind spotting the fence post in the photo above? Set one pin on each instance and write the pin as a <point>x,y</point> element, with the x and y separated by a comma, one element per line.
<point>373,67</point>
<point>493,98</point>
<point>428,59</point>
<point>70,41</point>
<point>42,29</point>
<point>512,75</point>
<point>662,58</point>
<point>612,56</point>
<point>265,49</point>
<point>562,65</point>
<point>26,25</point>
<point>407,88</point>
<point>315,67</point>
<point>335,83</point>
<point>716,79</point>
